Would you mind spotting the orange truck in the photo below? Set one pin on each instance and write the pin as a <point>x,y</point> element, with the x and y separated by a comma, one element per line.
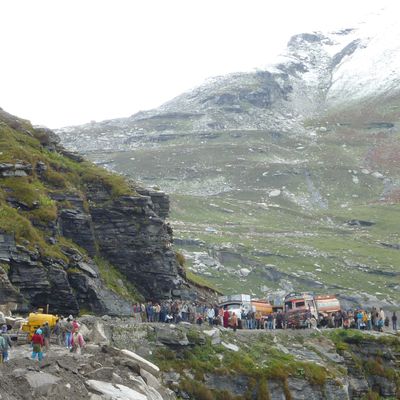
<point>243,302</point>
<point>262,307</point>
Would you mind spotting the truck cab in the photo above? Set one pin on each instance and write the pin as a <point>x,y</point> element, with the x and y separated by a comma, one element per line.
<point>298,308</point>
<point>235,303</point>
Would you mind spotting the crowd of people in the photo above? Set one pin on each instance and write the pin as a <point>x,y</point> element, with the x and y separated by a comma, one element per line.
<point>177,311</point>
<point>66,330</point>
<point>372,319</point>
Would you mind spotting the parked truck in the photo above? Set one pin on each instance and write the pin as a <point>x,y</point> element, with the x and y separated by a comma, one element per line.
<point>301,307</point>
<point>235,303</point>
<point>242,302</point>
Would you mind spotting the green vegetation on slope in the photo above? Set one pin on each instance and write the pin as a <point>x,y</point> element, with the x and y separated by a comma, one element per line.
<point>27,206</point>
<point>220,194</point>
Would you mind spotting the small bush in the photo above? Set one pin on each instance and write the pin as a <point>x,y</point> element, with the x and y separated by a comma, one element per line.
<point>198,390</point>
<point>115,184</point>
<point>180,258</point>
<point>315,374</point>
<point>116,281</point>
<point>55,179</point>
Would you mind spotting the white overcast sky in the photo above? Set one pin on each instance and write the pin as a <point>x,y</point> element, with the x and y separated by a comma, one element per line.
<point>66,62</point>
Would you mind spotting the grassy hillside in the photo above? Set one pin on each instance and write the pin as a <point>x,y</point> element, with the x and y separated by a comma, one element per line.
<point>322,209</point>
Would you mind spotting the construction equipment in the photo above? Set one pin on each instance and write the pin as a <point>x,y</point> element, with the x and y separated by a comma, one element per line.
<point>37,320</point>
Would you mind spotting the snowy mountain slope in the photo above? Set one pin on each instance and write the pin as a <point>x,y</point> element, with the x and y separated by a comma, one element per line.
<point>317,72</point>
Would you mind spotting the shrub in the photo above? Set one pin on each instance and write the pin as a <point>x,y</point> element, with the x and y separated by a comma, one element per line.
<point>116,281</point>
<point>55,179</point>
<point>115,184</point>
<point>180,258</point>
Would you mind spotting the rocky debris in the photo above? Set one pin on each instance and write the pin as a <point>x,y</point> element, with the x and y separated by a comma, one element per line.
<point>202,262</point>
<point>214,335</point>
<point>244,272</point>
<point>112,370</point>
<point>144,364</point>
<point>171,337</point>
<point>357,222</point>
<point>230,346</point>
<point>16,170</point>
<point>96,374</point>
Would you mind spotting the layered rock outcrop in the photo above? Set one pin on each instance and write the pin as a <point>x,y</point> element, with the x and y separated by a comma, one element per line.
<point>146,257</point>
<point>72,236</point>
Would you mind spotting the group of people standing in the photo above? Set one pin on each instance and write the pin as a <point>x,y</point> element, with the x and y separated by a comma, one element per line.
<point>66,332</point>
<point>362,319</point>
<point>174,311</point>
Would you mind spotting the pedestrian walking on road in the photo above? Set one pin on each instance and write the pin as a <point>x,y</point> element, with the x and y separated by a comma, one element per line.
<point>37,344</point>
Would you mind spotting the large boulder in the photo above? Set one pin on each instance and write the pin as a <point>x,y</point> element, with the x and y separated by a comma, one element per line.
<point>144,364</point>
<point>110,391</point>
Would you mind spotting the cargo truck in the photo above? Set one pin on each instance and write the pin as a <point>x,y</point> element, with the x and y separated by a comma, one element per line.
<point>299,307</point>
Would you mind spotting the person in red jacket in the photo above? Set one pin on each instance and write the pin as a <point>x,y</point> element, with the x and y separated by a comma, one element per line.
<point>226,318</point>
<point>37,343</point>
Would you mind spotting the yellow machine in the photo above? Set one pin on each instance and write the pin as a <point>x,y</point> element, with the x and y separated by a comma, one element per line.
<point>36,320</point>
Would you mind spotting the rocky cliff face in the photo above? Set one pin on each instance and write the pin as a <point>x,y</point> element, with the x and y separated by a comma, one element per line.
<point>70,234</point>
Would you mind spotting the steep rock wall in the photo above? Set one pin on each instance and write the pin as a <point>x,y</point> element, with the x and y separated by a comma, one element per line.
<point>73,236</point>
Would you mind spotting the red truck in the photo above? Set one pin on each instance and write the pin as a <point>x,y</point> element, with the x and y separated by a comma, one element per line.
<point>300,307</point>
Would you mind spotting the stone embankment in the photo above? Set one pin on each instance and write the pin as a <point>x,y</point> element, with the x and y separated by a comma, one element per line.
<point>203,362</point>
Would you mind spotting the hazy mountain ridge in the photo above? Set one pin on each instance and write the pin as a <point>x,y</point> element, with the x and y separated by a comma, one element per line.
<point>281,179</point>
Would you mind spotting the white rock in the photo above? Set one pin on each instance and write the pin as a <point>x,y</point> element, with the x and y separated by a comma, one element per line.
<point>85,331</point>
<point>150,379</point>
<point>214,335</point>
<point>365,171</point>
<point>282,348</point>
<point>146,365</point>
<point>274,193</point>
<point>244,271</point>
<point>115,392</point>
<point>355,179</point>
<point>41,382</point>
<point>211,332</point>
<point>377,175</point>
<point>97,334</point>
<point>230,346</point>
